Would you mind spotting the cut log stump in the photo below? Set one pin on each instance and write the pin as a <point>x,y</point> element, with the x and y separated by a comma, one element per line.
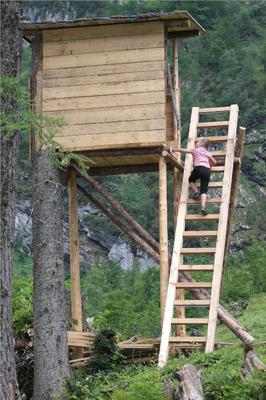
<point>251,363</point>
<point>190,385</point>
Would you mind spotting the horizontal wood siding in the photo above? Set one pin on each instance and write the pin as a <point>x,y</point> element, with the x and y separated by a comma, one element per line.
<point>108,83</point>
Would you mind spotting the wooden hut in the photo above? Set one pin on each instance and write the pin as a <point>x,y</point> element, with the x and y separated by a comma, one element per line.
<point>109,80</point>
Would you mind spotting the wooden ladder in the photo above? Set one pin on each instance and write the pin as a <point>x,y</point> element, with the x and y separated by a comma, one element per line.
<point>216,252</point>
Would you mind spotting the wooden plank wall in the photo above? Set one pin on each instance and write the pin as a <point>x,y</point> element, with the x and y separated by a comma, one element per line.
<point>108,83</point>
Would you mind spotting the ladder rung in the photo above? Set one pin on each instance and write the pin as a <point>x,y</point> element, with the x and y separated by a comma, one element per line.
<point>213,110</point>
<point>217,139</point>
<point>189,321</point>
<point>200,233</point>
<point>190,339</point>
<point>215,124</point>
<point>213,185</point>
<point>198,267</point>
<point>217,169</point>
<point>199,217</point>
<point>208,200</point>
<point>192,303</point>
<point>198,250</point>
<point>193,285</point>
<point>218,153</point>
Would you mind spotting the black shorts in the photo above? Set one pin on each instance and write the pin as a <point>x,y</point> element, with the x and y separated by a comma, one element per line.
<point>202,173</point>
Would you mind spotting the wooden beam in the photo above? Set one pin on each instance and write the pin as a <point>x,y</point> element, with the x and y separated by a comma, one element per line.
<point>172,34</point>
<point>107,195</point>
<point>239,149</point>
<point>123,169</point>
<point>76,308</point>
<point>128,231</point>
<point>180,23</point>
<point>180,311</point>
<point>124,152</point>
<point>163,223</point>
<point>173,160</point>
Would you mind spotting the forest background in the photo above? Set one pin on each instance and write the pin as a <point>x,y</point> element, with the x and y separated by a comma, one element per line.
<point>225,65</point>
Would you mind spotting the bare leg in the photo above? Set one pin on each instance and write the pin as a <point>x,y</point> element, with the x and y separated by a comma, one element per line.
<point>194,187</point>
<point>203,199</point>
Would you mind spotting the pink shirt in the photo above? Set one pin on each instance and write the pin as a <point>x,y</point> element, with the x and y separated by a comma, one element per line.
<point>201,157</point>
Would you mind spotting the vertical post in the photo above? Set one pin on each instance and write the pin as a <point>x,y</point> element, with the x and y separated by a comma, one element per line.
<point>164,266</point>
<point>177,132</point>
<point>76,309</point>
<point>180,311</point>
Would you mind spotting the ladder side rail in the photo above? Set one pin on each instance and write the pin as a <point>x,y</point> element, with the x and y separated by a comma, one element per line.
<point>222,228</point>
<point>180,226</point>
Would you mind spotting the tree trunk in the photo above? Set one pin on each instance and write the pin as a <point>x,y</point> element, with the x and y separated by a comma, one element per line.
<point>51,365</point>
<point>11,40</point>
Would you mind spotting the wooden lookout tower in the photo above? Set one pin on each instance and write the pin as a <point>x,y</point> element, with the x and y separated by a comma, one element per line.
<point>110,80</point>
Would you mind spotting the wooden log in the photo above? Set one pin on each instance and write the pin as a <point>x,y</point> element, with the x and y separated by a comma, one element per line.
<point>107,195</point>
<point>251,363</point>
<point>168,389</point>
<point>173,160</point>
<point>148,249</point>
<point>124,152</point>
<point>190,386</point>
<point>163,224</point>
<point>239,148</point>
<point>76,308</point>
<point>177,115</point>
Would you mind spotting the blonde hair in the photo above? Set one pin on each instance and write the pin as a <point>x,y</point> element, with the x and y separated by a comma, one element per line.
<point>205,142</point>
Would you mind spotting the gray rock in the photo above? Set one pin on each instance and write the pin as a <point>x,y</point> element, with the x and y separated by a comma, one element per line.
<point>23,226</point>
<point>144,261</point>
<point>121,253</point>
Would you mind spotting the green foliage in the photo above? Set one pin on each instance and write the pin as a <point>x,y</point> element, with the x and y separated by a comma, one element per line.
<point>22,295</point>
<point>220,372</point>
<point>106,353</point>
<point>245,274</point>
<point>23,119</point>
<point>124,301</point>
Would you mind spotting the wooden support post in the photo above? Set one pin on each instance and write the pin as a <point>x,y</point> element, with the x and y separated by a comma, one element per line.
<point>239,148</point>
<point>180,311</point>
<point>163,223</point>
<point>76,309</point>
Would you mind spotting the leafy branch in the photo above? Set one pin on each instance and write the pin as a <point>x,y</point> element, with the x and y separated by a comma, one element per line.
<point>44,128</point>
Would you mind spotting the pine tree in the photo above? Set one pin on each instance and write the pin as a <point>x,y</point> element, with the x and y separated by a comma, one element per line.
<point>11,39</point>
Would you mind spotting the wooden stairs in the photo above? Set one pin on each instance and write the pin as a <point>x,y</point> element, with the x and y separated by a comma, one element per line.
<point>214,254</point>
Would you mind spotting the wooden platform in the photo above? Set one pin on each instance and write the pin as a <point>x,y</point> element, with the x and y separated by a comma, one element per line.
<point>136,350</point>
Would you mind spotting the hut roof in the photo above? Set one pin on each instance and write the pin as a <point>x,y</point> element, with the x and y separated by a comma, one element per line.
<point>177,23</point>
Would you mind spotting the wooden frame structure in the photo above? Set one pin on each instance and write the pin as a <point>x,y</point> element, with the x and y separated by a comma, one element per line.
<point>90,70</point>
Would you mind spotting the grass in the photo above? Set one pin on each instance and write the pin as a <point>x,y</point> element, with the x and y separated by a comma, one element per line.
<point>220,370</point>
